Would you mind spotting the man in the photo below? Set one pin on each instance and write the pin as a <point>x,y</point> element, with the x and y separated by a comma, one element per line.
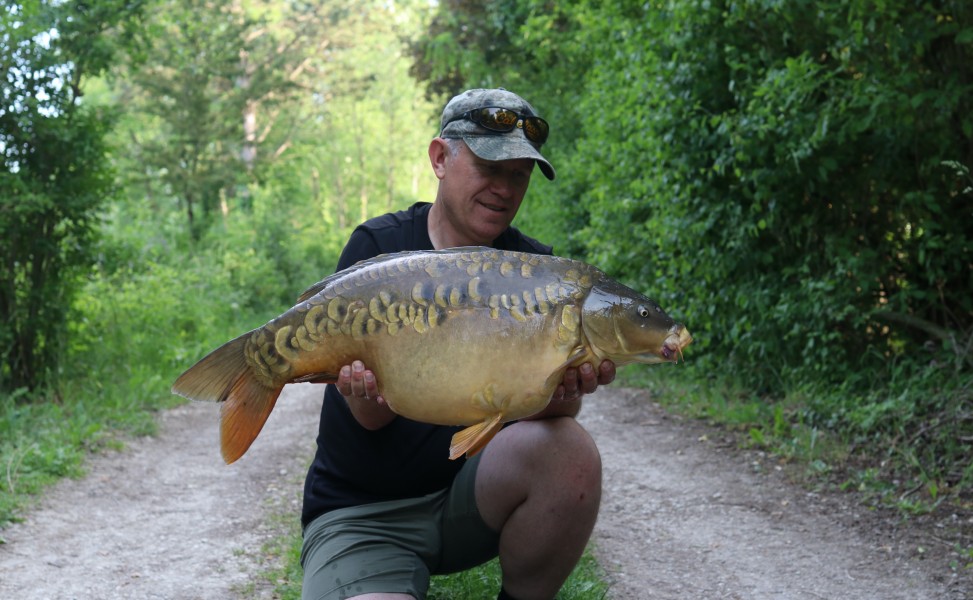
<point>383,506</point>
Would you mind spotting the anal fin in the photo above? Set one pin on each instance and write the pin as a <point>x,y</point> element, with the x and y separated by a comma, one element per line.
<point>474,438</point>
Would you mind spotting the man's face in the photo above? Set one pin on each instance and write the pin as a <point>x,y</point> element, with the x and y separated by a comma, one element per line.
<point>481,196</point>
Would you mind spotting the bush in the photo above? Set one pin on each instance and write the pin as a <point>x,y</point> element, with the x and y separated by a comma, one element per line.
<point>791,180</point>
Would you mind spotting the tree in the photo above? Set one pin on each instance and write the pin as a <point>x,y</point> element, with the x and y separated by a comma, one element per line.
<point>222,94</point>
<point>54,175</point>
<point>796,189</point>
<point>278,152</point>
<point>360,146</point>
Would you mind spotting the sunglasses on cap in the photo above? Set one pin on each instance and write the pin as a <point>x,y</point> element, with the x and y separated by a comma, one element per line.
<point>503,120</point>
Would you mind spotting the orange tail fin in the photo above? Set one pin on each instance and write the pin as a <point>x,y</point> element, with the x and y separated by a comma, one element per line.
<point>224,376</point>
<point>475,437</point>
<point>243,415</point>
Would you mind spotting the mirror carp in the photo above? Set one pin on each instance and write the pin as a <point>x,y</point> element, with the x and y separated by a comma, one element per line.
<point>465,336</point>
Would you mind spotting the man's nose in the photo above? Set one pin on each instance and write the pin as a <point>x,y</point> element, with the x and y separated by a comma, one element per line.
<point>502,186</point>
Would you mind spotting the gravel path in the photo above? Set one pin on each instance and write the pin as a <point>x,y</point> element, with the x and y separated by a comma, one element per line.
<point>166,518</point>
<point>688,516</point>
<point>683,516</point>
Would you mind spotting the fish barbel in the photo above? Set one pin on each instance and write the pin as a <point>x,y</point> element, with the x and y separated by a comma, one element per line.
<point>465,336</point>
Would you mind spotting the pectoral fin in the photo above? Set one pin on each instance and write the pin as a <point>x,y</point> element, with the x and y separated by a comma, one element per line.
<point>316,378</point>
<point>474,438</point>
<point>557,376</point>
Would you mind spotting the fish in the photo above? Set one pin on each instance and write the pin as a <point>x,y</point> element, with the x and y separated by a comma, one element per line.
<point>471,336</point>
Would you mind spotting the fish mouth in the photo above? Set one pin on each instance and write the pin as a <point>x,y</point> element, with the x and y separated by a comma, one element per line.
<point>672,347</point>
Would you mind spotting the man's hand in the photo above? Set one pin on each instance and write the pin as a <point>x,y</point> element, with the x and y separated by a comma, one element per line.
<point>583,380</point>
<point>360,389</point>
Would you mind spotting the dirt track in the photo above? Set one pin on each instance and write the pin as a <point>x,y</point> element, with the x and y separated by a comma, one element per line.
<point>687,515</point>
<point>683,516</point>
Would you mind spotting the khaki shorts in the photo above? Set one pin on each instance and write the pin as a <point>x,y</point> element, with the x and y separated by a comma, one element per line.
<point>395,546</point>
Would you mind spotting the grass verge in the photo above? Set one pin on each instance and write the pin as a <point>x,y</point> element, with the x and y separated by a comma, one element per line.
<point>45,440</point>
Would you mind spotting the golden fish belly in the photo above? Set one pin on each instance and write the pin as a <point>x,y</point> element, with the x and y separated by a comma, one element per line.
<point>467,369</point>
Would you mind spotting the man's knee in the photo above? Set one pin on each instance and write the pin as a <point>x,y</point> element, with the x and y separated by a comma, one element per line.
<point>554,460</point>
<point>572,447</point>
<point>579,457</point>
<point>560,443</point>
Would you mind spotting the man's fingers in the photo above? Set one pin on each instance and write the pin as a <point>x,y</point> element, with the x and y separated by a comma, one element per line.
<point>589,381</point>
<point>368,385</point>
<point>570,383</point>
<point>354,381</point>
<point>606,372</point>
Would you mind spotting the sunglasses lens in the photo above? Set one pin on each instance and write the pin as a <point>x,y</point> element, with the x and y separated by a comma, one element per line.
<point>503,120</point>
<point>535,129</point>
<point>496,119</point>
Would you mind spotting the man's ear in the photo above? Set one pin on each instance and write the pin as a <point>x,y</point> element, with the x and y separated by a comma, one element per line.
<point>438,155</point>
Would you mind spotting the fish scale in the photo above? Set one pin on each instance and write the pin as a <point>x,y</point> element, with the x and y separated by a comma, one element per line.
<point>469,336</point>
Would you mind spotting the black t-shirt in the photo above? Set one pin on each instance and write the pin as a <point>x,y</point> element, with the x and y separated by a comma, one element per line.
<point>405,458</point>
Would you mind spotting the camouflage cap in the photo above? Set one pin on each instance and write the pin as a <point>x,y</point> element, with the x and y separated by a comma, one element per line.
<point>492,145</point>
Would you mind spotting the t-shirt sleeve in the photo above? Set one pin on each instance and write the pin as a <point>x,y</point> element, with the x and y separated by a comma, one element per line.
<point>361,246</point>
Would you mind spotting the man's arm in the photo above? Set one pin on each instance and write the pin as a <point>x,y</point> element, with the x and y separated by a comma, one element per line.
<point>356,383</point>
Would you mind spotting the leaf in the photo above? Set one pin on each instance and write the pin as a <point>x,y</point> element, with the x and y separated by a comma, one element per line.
<point>965,36</point>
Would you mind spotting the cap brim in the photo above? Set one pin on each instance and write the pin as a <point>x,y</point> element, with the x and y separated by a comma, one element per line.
<point>507,147</point>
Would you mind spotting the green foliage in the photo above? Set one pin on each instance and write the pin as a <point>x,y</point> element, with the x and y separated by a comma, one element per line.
<point>190,94</point>
<point>53,174</point>
<point>273,232</point>
<point>144,314</point>
<point>791,194</point>
<point>40,442</point>
<point>920,425</point>
<point>237,95</point>
<point>792,180</point>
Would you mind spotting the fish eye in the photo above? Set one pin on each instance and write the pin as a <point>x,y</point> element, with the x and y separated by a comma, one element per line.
<point>643,312</point>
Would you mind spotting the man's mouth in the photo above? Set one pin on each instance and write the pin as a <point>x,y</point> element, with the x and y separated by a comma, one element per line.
<point>493,207</point>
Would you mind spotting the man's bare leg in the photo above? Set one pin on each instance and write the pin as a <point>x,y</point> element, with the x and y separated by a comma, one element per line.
<point>539,484</point>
